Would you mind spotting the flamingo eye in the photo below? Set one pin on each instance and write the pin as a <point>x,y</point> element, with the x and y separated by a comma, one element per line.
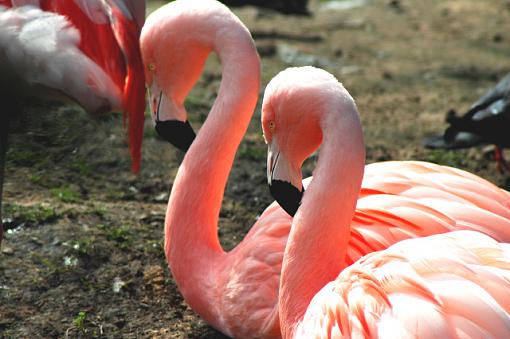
<point>272,125</point>
<point>152,67</point>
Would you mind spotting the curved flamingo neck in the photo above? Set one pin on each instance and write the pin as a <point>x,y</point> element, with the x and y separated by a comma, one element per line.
<point>320,230</point>
<point>192,247</point>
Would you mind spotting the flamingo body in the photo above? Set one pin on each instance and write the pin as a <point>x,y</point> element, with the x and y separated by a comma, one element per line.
<point>451,285</point>
<point>237,291</point>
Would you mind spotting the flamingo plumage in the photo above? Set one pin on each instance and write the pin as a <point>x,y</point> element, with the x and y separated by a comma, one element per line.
<point>237,292</point>
<point>451,285</point>
<point>88,50</point>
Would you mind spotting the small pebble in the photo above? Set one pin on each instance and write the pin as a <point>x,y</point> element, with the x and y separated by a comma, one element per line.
<point>8,250</point>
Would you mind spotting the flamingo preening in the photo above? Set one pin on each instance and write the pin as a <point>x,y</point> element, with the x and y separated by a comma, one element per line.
<point>87,49</point>
<point>452,285</point>
<point>237,292</point>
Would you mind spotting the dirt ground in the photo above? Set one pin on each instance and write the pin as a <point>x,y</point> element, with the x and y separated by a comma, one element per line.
<point>83,251</point>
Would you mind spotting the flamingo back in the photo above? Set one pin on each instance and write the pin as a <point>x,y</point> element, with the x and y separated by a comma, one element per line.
<point>451,285</point>
<point>409,178</point>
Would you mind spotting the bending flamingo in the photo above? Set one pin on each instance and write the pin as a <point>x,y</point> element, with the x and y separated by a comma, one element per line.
<point>451,285</point>
<point>88,50</point>
<point>237,292</point>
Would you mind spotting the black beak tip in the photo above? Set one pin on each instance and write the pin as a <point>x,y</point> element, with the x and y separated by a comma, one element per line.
<point>287,195</point>
<point>178,133</point>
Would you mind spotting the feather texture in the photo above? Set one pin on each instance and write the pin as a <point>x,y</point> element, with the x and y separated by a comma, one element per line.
<point>451,285</point>
<point>42,47</point>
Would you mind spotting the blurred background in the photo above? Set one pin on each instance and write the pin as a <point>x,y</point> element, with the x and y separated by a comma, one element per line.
<point>83,250</point>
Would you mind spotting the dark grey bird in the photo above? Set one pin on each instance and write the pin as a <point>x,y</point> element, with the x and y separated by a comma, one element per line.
<point>486,122</point>
<point>289,7</point>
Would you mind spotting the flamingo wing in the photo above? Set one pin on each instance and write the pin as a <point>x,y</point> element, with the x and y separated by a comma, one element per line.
<point>249,293</point>
<point>403,199</point>
<point>382,220</point>
<point>418,180</point>
<point>451,285</point>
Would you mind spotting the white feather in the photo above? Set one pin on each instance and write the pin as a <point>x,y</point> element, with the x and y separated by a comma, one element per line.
<point>96,10</point>
<point>42,48</point>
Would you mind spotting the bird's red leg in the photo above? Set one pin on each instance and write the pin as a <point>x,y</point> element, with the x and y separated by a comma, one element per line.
<point>500,159</point>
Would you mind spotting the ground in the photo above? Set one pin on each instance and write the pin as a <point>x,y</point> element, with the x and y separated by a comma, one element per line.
<point>83,252</point>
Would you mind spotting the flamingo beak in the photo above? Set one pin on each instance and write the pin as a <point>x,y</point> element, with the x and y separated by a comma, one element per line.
<point>284,180</point>
<point>170,120</point>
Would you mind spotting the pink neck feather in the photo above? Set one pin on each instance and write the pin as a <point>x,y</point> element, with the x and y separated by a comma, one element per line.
<point>320,230</point>
<point>192,247</point>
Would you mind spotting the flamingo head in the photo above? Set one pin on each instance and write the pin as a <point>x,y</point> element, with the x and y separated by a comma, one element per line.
<point>174,53</point>
<point>292,121</point>
<point>170,119</point>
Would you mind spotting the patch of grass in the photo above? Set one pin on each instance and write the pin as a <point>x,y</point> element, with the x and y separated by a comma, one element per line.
<point>113,193</point>
<point>36,179</point>
<point>83,246</point>
<point>31,215</point>
<point>120,235</point>
<point>41,178</point>
<point>252,152</point>
<point>446,157</point>
<point>99,209</point>
<point>20,157</point>
<point>155,247</point>
<point>66,194</point>
<point>150,133</point>
<point>197,118</point>
<point>79,321</point>
<point>53,266</point>
<point>81,166</point>
<point>195,101</point>
<point>88,284</point>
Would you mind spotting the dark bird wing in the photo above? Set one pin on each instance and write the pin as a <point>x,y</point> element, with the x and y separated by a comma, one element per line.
<point>496,95</point>
<point>487,121</point>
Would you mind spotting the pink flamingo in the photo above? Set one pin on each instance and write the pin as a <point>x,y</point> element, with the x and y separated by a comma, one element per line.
<point>452,285</point>
<point>87,49</point>
<point>237,292</point>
